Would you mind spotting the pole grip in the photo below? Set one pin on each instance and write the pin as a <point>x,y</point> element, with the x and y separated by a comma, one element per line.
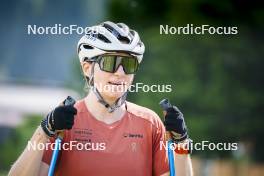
<point>69,101</point>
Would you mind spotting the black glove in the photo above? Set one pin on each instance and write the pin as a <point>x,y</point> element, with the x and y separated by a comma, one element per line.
<point>61,118</point>
<point>174,123</point>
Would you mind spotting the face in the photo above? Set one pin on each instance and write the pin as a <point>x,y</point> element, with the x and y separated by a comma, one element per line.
<point>110,85</point>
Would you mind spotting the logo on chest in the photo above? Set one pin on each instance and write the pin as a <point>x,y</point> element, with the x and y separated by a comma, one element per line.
<point>133,135</point>
<point>82,135</point>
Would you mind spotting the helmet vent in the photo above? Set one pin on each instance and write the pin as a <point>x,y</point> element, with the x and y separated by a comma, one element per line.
<point>87,47</point>
<point>103,38</point>
<point>109,28</point>
<point>123,39</point>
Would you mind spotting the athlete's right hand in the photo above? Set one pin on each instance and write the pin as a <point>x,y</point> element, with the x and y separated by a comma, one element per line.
<point>61,118</point>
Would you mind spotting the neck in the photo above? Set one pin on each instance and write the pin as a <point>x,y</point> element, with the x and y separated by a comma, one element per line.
<point>100,112</point>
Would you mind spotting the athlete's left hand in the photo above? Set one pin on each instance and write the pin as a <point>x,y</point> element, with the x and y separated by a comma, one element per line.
<point>175,124</point>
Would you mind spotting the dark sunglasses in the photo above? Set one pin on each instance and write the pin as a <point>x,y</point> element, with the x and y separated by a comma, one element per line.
<point>110,63</point>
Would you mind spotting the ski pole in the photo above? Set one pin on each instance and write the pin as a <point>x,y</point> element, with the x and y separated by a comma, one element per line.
<point>68,101</point>
<point>165,104</point>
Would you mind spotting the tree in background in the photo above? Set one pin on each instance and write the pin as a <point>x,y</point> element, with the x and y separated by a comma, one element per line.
<point>217,80</point>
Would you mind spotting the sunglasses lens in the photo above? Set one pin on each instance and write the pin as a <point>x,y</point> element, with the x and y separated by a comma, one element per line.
<point>111,63</point>
<point>107,63</point>
<point>129,64</point>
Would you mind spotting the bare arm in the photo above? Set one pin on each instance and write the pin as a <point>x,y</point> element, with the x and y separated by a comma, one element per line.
<point>29,162</point>
<point>183,165</point>
<point>44,169</point>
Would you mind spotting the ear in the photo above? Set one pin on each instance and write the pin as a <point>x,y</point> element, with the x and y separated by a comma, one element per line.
<point>86,68</point>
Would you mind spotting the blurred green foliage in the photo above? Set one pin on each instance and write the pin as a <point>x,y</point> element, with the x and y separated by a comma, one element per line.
<point>17,141</point>
<point>217,80</point>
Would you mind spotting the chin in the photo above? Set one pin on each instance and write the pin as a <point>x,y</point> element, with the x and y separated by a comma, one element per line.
<point>112,96</point>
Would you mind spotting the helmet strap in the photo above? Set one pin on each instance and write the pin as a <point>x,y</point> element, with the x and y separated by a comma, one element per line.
<point>111,108</point>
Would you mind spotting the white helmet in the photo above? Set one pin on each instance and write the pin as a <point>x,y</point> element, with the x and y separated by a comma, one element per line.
<point>109,37</point>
